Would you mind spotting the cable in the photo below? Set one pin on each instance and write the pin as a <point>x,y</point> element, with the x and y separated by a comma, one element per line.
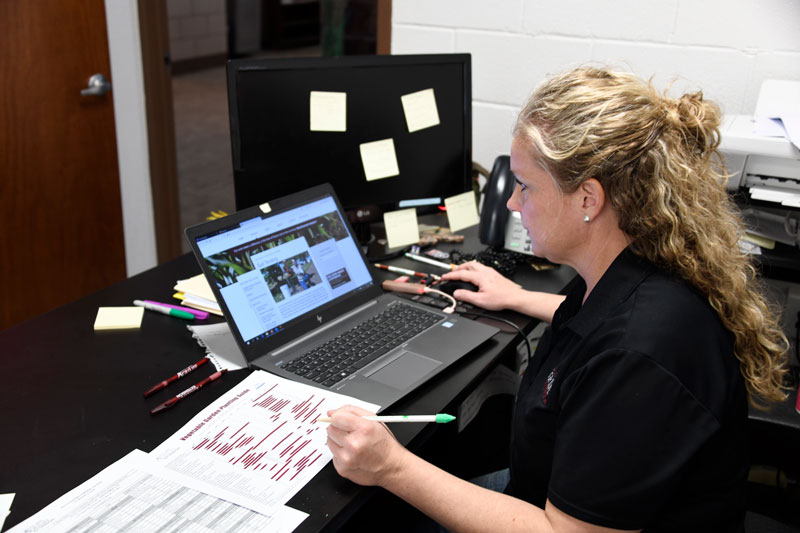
<point>447,310</point>
<point>416,288</point>
<point>516,327</point>
<point>504,261</point>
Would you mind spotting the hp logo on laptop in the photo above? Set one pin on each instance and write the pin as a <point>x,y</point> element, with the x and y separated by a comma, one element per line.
<point>319,319</point>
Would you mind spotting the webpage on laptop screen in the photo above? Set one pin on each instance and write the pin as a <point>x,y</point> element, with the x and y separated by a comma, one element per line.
<point>275,269</point>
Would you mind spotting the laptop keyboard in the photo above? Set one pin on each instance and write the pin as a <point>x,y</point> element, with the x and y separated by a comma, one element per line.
<point>354,349</point>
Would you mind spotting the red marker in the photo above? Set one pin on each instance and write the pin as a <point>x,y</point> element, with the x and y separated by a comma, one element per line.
<point>158,386</point>
<point>407,272</point>
<point>172,401</point>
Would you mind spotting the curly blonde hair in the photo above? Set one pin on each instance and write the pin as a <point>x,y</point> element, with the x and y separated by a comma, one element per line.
<point>657,161</point>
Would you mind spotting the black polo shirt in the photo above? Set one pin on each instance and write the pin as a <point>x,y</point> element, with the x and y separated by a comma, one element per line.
<point>633,412</point>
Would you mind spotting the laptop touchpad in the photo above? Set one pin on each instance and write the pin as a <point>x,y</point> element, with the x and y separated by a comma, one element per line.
<point>405,370</point>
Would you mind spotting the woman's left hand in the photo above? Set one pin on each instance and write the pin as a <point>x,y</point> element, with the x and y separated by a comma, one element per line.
<point>364,451</point>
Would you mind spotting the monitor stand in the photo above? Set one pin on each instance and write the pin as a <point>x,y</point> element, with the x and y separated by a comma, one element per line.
<point>372,239</point>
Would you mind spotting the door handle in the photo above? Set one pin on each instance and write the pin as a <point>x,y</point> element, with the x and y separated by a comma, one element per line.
<point>98,86</point>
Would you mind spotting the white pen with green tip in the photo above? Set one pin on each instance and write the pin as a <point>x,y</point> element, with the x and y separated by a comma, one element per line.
<point>440,418</point>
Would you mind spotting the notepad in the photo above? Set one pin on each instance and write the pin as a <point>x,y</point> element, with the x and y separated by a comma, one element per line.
<point>420,109</point>
<point>328,111</point>
<point>119,318</point>
<point>401,227</point>
<point>462,212</point>
<point>196,286</point>
<point>379,159</point>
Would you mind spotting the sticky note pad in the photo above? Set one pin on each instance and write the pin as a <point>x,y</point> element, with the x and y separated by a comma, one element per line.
<point>462,212</point>
<point>328,111</point>
<point>401,227</point>
<point>379,159</point>
<point>420,109</point>
<point>119,318</point>
<point>197,286</point>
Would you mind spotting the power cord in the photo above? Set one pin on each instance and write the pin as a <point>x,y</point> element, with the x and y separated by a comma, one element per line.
<point>503,320</point>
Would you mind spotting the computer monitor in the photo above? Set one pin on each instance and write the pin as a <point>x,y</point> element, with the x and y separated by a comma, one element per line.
<point>277,150</point>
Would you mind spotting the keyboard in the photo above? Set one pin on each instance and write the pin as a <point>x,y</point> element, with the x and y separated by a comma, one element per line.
<point>354,349</point>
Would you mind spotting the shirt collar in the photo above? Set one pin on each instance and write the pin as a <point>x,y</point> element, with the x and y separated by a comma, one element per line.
<point>621,278</point>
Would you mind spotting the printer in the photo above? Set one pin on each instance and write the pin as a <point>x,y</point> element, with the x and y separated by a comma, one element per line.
<point>766,170</point>
<point>765,173</point>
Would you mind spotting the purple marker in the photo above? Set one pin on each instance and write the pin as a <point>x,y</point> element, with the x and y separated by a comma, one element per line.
<point>202,315</point>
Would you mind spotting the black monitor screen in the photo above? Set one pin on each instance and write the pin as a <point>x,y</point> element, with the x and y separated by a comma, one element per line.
<point>277,150</point>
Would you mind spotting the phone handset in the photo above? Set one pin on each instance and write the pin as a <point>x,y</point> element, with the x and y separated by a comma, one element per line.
<point>500,227</point>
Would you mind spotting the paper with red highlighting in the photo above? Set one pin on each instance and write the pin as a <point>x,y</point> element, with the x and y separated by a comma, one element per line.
<point>260,440</point>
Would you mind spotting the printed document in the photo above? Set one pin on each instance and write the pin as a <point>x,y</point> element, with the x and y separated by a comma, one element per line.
<point>136,494</point>
<point>260,441</point>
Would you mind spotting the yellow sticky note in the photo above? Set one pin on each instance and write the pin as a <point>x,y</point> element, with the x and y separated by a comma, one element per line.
<point>462,212</point>
<point>328,111</point>
<point>420,109</point>
<point>379,159</point>
<point>119,318</point>
<point>401,227</point>
<point>197,285</point>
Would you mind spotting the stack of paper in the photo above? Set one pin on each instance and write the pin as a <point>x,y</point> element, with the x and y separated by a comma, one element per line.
<point>196,293</point>
<point>221,348</point>
<point>138,494</point>
<point>778,110</point>
<point>232,467</point>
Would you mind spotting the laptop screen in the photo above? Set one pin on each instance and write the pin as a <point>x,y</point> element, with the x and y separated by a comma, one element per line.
<point>274,268</point>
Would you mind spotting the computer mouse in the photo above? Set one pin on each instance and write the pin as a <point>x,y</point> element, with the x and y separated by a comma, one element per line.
<point>450,286</point>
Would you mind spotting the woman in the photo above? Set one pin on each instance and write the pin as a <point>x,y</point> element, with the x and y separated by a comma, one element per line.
<point>632,414</point>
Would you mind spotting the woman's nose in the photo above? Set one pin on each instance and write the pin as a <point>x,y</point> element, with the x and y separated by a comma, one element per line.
<point>513,203</point>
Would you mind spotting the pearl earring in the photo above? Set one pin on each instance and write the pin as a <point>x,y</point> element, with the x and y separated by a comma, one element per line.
<point>586,218</point>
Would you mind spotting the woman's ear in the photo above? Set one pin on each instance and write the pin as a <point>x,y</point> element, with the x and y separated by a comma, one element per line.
<point>592,197</point>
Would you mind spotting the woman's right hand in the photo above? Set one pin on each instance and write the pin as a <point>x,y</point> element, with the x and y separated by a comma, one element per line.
<point>364,451</point>
<point>494,292</point>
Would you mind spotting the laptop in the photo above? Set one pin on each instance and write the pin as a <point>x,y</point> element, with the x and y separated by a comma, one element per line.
<point>303,303</point>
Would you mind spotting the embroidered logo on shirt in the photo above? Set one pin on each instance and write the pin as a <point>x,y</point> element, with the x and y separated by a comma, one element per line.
<point>550,379</point>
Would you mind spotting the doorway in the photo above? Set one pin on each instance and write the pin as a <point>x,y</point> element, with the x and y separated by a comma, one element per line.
<point>204,34</point>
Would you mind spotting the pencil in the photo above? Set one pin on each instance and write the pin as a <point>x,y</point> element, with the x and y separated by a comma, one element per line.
<point>407,272</point>
<point>434,262</point>
<point>440,418</point>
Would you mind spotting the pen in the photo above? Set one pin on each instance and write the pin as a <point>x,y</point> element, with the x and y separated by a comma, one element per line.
<point>440,418</point>
<point>202,315</point>
<point>159,308</point>
<point>160,385</point>
<point>433,262</point>
<point>406,271</point>
<point>172,401</point>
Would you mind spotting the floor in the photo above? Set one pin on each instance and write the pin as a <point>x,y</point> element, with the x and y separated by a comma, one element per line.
<point>202,134</point>
<point>202,138</point>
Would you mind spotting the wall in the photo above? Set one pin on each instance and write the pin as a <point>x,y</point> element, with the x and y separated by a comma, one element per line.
<point>725,47</point>
<point>197,28</point>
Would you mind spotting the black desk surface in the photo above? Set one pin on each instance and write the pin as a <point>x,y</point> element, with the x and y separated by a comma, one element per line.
<point>72,399</point>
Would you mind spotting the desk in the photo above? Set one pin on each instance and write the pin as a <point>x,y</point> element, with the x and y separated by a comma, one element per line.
<point>72,398</point>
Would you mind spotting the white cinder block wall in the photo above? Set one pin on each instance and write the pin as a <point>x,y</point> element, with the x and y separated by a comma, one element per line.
<point>197,28</point>
<point>724,47</point>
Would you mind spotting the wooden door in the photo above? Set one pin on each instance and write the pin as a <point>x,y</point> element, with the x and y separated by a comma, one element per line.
<point>60,205</point>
